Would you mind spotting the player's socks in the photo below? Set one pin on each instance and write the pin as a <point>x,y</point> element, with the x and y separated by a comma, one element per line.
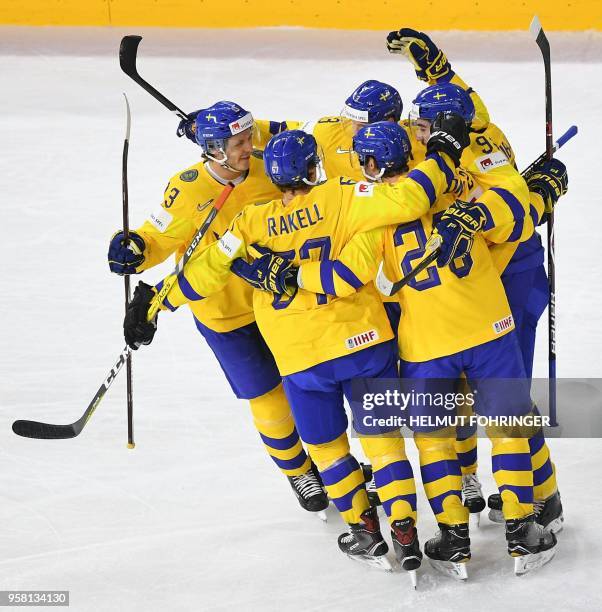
<point>466,450</point>
<point>441,476</point>
<point>393,475</point>
<point>544,472</point>
<point>274,422</point>
<point>449,551</point>
<point>529,544</point>
<point>511,466</point>
<point>364,541</point>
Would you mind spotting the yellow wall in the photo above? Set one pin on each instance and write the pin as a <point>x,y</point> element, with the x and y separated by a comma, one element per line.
<point>345,14</point>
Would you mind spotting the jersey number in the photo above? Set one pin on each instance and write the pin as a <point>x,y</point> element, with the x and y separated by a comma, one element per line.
<point>460,269</point>
<point>323,245</point>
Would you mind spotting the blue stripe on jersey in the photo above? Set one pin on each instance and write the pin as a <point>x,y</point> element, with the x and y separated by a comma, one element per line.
<point>291,464</point>
<point>540,475</point>
<point>347,275</point>
<point>281,443</point>
<point>517,462</point>
<point>524,494</point>
<point>518,212</point>
<point>276,127</point>
<point>187,290</point>
<point>449,175</point>
<point>326,277</point>
<point>437,501</point>
<point>345,502</point>
<point>411,499</point>
<point>439,469</point>
<point>340,470</point>
<point>517,230</point>
<point>534,215</point>
<point>167,303</point>
<point>425,182</point>
<point>398,470</point>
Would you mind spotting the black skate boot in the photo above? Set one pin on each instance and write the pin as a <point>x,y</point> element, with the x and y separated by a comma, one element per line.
<point>449,550</point>
<point>310,492</point>
<point>370,484</point>
<point>407,547</point>
<point>495,508</point>
<point>365,543</point>
<point>529,544</point>
<point>548,513</point>
<point>472,496</point>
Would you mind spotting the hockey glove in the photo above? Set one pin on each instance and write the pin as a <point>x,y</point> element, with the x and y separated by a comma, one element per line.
<point>136,328</point>
<point>457,228</point>
<point>550,180</point>
<point>449,134</point>
<point>124,257</point>
<point>429,61</point>
<point>270,272</point>
<point>187,127</point>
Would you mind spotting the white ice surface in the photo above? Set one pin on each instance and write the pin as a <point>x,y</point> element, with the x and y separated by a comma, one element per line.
<point>196,517</point>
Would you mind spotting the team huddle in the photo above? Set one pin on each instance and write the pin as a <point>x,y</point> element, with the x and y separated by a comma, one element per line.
<point>296,289</point>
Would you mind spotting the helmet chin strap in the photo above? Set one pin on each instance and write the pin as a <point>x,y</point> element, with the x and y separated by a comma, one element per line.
<point>320,176</point>
<point>376,178</point>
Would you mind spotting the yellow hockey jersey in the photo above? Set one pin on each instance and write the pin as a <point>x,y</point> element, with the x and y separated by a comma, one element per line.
<point>443,310</point>
<point>170,228</point>
<point>307,329</point>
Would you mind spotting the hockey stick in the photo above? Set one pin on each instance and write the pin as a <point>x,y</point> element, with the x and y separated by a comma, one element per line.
<point>126,278</point>
<point>128,51</point>
<point>395,287</point>
<point>544,46</point>
<point>48,431</point>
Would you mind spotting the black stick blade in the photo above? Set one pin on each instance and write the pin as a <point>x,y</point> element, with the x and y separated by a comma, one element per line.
<point>128,50</point>
<point>44,431</point>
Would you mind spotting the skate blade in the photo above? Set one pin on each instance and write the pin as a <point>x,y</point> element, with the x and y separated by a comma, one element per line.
<point>450,568</point>
<point>529,563</point>
<point>414,578</point>
<point>380,563</point>
<point>322,516</point>
<point>475,519</point>
<point>496,516</point>
<point>556,525</point>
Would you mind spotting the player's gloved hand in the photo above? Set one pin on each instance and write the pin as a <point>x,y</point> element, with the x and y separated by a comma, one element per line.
<point>125,256</point>
<point>449,134</point>
<point>550,180</point>
<point>269,272</point>
<point>456,229</point>
<point>187,127</point>
<point>136,328</point>
<point>429,61</point>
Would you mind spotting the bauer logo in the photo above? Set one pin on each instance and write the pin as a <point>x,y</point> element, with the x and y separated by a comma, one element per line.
<point>503,325</point>
<point>361,339</point>
<point>364,190</point>
<point>240,125</point>
<point>489,162</point>
<point>160,219</point>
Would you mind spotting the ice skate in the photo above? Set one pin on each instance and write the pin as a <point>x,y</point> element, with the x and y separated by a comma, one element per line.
<point>494,502</point>
<point>529,544</point>
<point>365,543</point>
<point>472,497</point>
<point>548,513</point>
<point>310,492</point>
<point>407,547</point>
<point>449,550</point>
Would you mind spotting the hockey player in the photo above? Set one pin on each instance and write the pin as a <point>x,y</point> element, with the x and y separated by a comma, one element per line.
<point>456,319</point>
<point>320,344</point>
<point>491,163</point>
<point>224,133</point>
